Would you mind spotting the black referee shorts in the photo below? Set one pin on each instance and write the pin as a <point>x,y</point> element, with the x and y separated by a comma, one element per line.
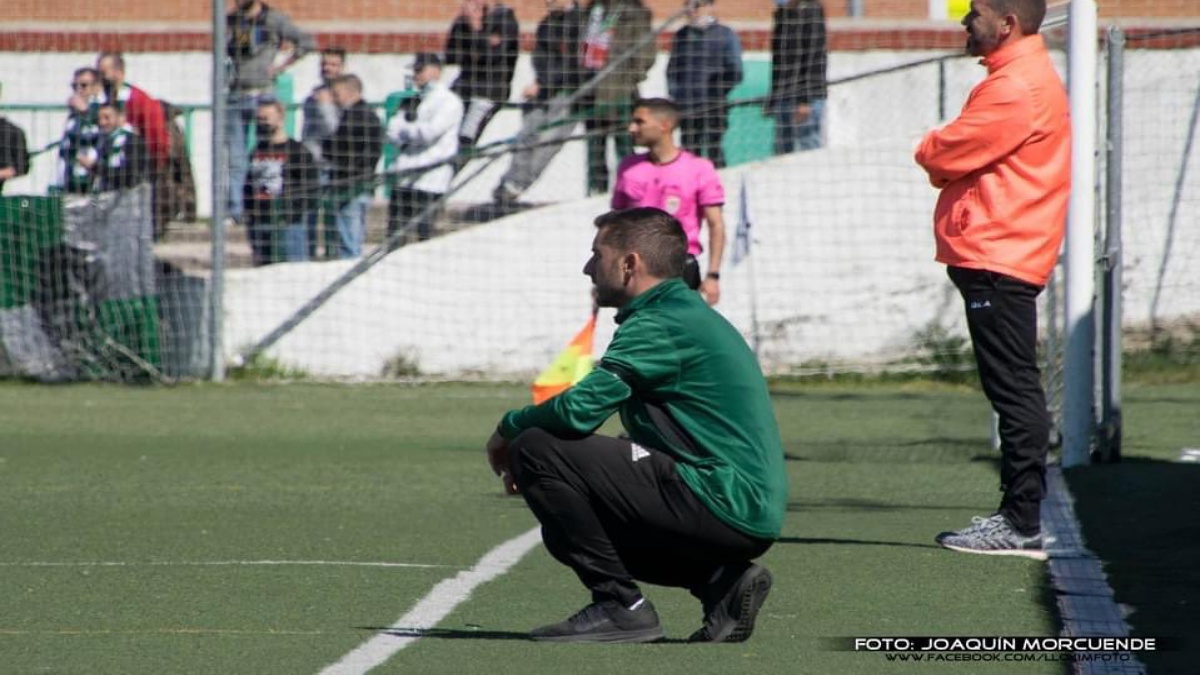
<point>691,273</point>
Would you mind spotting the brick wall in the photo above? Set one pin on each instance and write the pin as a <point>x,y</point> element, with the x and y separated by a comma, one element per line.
<point>350,11</point>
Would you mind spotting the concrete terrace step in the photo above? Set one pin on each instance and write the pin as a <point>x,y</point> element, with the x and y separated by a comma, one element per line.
<point>188,246</point>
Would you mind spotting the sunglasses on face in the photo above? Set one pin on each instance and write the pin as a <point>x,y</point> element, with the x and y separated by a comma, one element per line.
<point>81,85</point>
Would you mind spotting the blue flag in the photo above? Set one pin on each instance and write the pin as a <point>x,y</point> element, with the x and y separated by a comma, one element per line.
<point>741,241</point>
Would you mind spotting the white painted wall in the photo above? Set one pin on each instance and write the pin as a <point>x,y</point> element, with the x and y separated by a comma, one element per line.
<point>834,276</point>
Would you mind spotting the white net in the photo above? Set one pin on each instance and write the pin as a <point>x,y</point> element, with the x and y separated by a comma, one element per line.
<point>384,251</point>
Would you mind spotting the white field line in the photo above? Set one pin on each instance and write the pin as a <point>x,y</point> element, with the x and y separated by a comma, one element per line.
<point>216,563</point>
<point>440,601</point>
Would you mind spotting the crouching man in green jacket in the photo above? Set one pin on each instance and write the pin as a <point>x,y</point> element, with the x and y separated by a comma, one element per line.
<point>698,489</point>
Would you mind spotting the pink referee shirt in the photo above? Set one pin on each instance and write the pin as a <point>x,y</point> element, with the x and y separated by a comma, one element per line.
<point>681,187</point>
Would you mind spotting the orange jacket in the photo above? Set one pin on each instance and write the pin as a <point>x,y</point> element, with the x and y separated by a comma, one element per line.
<point>1004,168</point>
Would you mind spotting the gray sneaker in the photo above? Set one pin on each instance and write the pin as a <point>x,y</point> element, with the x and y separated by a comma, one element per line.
<point>605,621</point>
<point>993,536</point>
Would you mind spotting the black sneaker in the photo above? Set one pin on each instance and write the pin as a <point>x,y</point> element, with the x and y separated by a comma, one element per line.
<point>605,621</point>
<point>731,604</point>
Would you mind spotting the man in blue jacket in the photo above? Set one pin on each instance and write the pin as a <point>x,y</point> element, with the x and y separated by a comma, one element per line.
<point>705,64</point>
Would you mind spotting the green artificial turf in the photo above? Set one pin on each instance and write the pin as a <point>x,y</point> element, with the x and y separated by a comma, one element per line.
<point>162,479</point>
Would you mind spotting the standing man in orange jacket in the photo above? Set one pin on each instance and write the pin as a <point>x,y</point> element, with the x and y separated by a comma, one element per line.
<point>1004,169</point>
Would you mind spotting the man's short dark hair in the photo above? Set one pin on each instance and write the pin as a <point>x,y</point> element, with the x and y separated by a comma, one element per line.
<point>272,103</point>
<point>663,108</point>
<point>87,70</point>
<point>652,233</point>
<point>1030,13</point>
<point>116,105</point>
<point>337,51</point>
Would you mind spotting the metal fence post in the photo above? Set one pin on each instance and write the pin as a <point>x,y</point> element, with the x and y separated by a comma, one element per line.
<point>220,186</point>
<point>1110,376</point>
<point>941,91</point>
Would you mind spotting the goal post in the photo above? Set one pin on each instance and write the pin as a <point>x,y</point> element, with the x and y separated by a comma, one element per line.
<point>1079,414</point>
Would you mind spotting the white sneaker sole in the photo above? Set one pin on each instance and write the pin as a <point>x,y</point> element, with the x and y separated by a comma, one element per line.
<point>1020,553</point>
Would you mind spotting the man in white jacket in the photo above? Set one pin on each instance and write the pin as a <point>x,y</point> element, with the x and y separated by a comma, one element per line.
<point>425,134</point>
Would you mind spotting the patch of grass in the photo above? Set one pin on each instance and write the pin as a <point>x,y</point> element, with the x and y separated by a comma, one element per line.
<point>947,356</point>
<point>940,356</point>
<point>403,365</point>
<point>262,368</point>
<point>1164,358</point>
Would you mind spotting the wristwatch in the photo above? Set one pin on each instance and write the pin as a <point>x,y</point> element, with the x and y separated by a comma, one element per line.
<point>714,275</point>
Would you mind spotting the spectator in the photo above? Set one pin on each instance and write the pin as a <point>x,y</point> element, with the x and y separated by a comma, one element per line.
<point>280,189</point>
<point>120,161</point>
<point>547,120</point>
<point>320,111</point>
<point>320,121</point>
<point>352,153</point>
<point>695,493</point>
<point>81,133</point>
<point>256,34</point>
<point>798,85</point>
<point>1004,171</point>
<point>705,65</point>
<point>614,28</point>
<point>483,42</point>
<point>426,140</point>
<point>148,118</point>
<point>177,200</point>
<point>14,153</point>
<point>678,182</point>
<point>141,110</point>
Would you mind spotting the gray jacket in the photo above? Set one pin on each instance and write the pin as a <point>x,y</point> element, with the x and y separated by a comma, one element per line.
<point>320,121</point>
<point>254,43</point>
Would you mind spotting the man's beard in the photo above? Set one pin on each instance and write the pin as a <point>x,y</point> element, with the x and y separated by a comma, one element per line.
<point>609,297</point>
<point>980,45</point>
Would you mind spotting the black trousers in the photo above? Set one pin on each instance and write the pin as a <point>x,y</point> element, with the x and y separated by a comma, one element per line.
<point>691,272</point>
<point>408,203</point>
<point>615,515</point>
<point>701,131</point>
<point>1002,320</point>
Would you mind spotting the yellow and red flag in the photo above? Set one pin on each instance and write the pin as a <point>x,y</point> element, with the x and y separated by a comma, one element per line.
<point>568,367</point>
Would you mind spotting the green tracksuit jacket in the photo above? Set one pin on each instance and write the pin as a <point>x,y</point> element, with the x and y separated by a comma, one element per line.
<point>685,383</point>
